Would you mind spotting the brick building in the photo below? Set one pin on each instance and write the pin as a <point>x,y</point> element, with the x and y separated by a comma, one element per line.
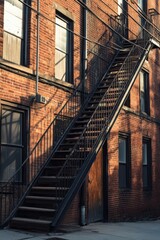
<point>79,111</point>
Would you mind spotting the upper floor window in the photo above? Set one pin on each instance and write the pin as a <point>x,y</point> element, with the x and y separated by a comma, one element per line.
<point>144,92</point>
<point>142,9</point>
<point>15,36</point>
<point>124,161</point>
<point>146,164</point>
<point>63,49</point>
<point>142,4</point>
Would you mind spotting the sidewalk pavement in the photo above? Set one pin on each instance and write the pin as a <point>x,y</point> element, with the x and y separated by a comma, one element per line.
<point>146,230</point>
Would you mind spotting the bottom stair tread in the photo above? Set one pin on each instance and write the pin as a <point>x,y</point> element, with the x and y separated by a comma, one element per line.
<point>30,224</point>
<point>31,220</point>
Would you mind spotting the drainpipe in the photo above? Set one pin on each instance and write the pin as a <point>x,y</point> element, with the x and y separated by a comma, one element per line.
<point>83,77</point>
<point>37,50</point>
<point>84,48</point>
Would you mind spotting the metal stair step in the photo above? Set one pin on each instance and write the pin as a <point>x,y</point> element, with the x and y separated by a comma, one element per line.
<point>37,188</point>
<point>35,212</point>
<point>42,201</point>
<point>38,198</point>
<point>52,181</point>
<point>25,208</point>
<point>30,224</point>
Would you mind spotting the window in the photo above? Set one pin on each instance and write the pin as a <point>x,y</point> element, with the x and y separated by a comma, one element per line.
<point>63,49</point>
<point>142,4</point>
<point>13,142</point>
<point>15,36</point>
<point>146,164</point>
<point>124,161</point>
<point>144,92</point>
<point>142,8</point>
<point>123,18</point>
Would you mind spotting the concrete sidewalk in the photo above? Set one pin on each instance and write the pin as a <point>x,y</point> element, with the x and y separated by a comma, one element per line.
<point>149,230</point>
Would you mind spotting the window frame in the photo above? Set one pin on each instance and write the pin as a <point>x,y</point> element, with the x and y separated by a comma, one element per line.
<point>25,124</point>
<point>144,95</point>
<point>126,164</point>
<point>147,165</point>
<point>69,47</point>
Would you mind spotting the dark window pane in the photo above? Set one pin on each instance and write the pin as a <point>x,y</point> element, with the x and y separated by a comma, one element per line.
<point>144,92</point>
<point>11,127</point>
<point>122,176</point>
<point>145,177</point>
<point>146,164</point>
<point>124,162</point>
<point>145,154</point>
<point>122,150</point>
<point>11,159</point>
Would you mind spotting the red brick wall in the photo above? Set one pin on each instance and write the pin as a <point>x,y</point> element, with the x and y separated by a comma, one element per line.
<point>135,202</point>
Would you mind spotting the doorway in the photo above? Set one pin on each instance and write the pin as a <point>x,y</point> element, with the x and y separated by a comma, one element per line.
<point>98,188</point>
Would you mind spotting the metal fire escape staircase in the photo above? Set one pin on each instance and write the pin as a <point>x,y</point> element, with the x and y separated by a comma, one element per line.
<point>62,177</point>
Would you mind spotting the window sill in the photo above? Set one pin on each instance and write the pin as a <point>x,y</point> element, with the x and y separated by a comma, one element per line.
<point>16,66</point>
<point>22,70</point>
